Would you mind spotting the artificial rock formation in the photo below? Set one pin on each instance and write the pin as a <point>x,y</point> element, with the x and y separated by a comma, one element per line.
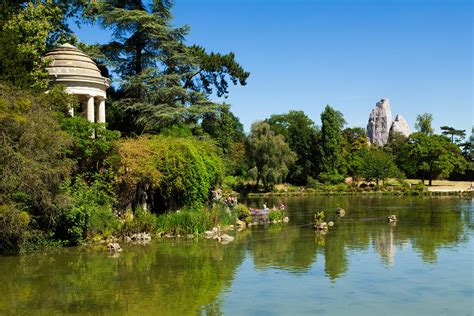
<point>400,125</point>
<point>380,122</point>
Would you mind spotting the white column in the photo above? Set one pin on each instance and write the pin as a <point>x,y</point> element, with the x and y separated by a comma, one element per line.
<point>90,109</point>
<point>101,116</point>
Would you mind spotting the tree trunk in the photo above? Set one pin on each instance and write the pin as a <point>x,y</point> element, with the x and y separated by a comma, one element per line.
<point>258,179</point>
<point>429,182</point>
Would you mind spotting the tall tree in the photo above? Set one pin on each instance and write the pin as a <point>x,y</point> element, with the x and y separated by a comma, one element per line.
<point>331,161</point>
<point>224,127</point>
<point>456,135</point>
<point>163,81</point>
<point>300,133</point>
<point>269,155</point>
<point>375,165</point>
<point>423,123</point>
<point>430,156</point>
<point>27,30</point>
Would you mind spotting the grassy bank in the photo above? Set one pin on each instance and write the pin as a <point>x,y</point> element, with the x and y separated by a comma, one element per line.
<point>405,188</point>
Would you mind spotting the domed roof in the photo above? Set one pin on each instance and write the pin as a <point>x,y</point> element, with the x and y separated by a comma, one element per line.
<point>68,63</point>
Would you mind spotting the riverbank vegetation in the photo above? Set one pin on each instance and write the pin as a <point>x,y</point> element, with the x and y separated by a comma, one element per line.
<point>167,145</point>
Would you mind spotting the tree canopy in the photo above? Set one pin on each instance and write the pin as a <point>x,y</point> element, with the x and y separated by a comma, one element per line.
<point>268,154</point>
<point>163,81</point>
<point>423,123</point>
<point>301,135</point>
<point>331,162</point>
<point>430,156</point>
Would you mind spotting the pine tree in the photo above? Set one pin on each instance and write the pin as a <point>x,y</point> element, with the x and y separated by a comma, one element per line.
<point>163,81</point>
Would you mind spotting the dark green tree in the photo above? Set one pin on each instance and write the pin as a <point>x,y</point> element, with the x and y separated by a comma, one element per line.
<point>430,156</point>
<point>27,30</point>
<point>355,138</point>
<point>456,135</point>
<point>224,127</point>
<point>164,82</point>
<point>423,123</point>
<point>33,162</point>
<point>331,161</point>
<point>375,164</point>
<point>300,133</point>
<point>268,154</point>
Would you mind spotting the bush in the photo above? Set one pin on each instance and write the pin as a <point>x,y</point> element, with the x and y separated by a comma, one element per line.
<point>234,183</point>
<point>178,172</point>
<point>242,212</point>
<point>14,226</point>
<point>276,215</point>
<point>89,213</point>
<point>332,178</point>
<point>142,221</point>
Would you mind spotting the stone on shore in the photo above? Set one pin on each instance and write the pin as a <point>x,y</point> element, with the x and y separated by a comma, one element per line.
<point>114,247</point>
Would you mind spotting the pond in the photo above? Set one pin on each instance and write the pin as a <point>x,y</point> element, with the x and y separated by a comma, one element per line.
<point>423,265</point>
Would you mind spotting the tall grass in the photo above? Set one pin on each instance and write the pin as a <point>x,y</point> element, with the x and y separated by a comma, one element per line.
<point>194,220</point>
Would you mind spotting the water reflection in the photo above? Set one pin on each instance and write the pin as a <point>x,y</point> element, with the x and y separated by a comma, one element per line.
<point>188,277</point>
<point>425,223</point>
<point>166,279</point>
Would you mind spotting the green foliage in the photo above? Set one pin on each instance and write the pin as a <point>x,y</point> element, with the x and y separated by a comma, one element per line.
<point>423,123</point>
<point>331,162</point>
<point>269,154</point>
<point>23,43</point>
<point>177,172</point>
<point>276,215</point>
<point>89,213</point>
<point>193,220</point>
<point>178,130</point>
<point>141,221</point>
<point>301,135</point>
<point>242,212</point>
<point>90,153</point>
<point>457,135</point>
<point>331,178</point>
<point>165,81</point>
<point>224,127</point>
<point>32,156</point>
<point>430,156</point>
<point>319,217</point>
<point>14,226</point>
<point>374,165</point>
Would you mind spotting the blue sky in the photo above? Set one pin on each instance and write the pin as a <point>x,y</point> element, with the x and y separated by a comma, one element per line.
<point>303,55</point>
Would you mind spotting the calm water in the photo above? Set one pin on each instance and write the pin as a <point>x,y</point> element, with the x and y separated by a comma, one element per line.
<point>363,266</point>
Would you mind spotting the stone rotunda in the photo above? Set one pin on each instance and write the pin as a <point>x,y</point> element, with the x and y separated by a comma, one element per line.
<point>81,76</point>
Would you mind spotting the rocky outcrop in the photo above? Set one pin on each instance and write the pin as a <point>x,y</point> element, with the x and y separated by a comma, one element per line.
<point>380,122</point>
<point>400,125</point>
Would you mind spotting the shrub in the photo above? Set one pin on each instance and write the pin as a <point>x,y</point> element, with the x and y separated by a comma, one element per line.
<point>178,172</point>
<point>89,213</point>
<point>242,212</point>
<point>332,178</point>
<point>142,221</point>
<point>13,228</point>
<point>276,215</point>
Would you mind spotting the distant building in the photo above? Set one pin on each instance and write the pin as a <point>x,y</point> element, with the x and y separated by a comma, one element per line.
<point>81,76</point>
